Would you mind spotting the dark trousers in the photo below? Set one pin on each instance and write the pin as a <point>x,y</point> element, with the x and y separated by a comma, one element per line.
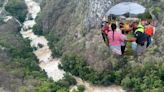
<point>105,38</point>
<point>123,49</point>
<point>148,41</point>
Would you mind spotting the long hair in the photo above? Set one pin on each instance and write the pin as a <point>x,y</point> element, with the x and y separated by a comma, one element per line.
<point>113,26</point>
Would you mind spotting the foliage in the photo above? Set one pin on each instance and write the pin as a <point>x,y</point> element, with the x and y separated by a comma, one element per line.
<point>135,77</point>
<point>145,78</point>
<point>40,45</point>
<point>37,29</point>
<point>144,16</point>
<point>17,8</point>
<point>81,88</point>
<point>78,67</point>
<point>25,58</point>
<point>24,64</point>
<point>60,86</point>
<point>139,78</point>
<point>55,44</point>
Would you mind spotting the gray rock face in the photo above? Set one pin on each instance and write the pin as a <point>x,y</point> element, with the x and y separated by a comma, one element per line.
<point>88,13</point>
<point>96,11</point>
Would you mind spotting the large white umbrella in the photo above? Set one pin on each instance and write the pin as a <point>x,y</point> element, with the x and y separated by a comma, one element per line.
<point>126,7</point>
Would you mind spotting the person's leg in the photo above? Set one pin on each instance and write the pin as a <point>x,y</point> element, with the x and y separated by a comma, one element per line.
<point>122,49</point>
<point>144,47</point>
<point>139,50</point>
<point>103,35</point>
<point>148,41</point>
<point>106,39</point>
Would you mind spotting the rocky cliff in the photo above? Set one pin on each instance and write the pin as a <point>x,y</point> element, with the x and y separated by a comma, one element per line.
<point>74,26</point>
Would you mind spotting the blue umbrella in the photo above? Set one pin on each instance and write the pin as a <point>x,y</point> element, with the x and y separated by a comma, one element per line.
<point>126,7</point>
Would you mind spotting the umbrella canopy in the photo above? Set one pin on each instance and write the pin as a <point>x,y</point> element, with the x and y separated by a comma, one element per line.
<point>126,7</point>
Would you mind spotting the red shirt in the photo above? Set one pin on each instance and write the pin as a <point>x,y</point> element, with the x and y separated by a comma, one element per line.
<point>149,30</point>
<point>105,29</point>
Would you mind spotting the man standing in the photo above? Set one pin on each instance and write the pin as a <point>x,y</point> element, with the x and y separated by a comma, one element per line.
<point>149,31</point>
<point>140,38</point>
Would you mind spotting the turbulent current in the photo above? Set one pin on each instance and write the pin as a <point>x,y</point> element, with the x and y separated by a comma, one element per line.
<point>44,54</point>
<point>47,63</point>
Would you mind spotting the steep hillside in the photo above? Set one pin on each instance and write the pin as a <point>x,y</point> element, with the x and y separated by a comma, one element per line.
<point>19,69</point>
<point>74,26</point>
<point>73,30</point>
<point>11,61</point>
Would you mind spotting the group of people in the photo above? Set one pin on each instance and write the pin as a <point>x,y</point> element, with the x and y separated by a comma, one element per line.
<point>115,35</point>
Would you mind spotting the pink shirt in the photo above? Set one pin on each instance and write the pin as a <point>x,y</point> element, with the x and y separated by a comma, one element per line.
<point>118,38</point>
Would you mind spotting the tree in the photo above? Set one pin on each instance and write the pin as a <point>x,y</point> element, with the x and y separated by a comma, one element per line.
<point>17,8</point>
<point>81,88</point>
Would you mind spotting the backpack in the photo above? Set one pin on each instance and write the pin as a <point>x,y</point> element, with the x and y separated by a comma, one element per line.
<point>140,35</point>
<point>149,30</point>
<point>141,38</point>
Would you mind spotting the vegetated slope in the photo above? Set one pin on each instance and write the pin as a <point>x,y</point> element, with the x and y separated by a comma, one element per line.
<point>18,65</point>
<point>73,30</point>
<point>17,8</point>
<point>15,54</point>
<point>74,26</point>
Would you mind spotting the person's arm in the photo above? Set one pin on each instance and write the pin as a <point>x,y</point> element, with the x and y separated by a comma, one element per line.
<point>154,30</point>
<point>106,31</point>
<point>133,39</point>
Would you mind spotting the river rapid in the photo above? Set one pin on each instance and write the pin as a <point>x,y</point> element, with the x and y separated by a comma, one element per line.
<point>44,54</point>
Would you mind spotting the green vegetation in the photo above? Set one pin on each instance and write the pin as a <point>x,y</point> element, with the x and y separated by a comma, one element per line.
<point>134,75</point>
<point>40,45</point>
<point>55,44</point>
<point>24,65</point>
<point>81,88</point>
<point>17,8</point>
<point>60,86</point>
<point>37,29</point>
<point>77,66</point>
<point>19,67</point>
<point>147,77</point>
<point>144,16</point>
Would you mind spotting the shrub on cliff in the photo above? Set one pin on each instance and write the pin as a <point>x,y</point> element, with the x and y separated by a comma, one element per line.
<point>17,8</point>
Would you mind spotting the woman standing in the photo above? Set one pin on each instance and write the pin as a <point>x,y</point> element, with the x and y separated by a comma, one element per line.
<point>115,38</point>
